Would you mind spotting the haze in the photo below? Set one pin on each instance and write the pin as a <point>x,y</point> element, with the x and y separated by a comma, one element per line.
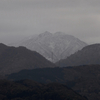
<point>22,18</point>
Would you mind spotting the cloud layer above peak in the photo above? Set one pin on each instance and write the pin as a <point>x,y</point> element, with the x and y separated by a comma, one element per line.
<point>80,18</point>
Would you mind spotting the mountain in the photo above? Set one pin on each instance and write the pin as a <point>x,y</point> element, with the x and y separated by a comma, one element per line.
<point>87,56</point>
<point>30,90</point>
<point>14,59</point>
<point>53,47</point>
<point>85,80</point>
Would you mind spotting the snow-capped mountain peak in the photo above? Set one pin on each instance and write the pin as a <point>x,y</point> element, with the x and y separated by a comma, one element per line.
<point>55,46</point>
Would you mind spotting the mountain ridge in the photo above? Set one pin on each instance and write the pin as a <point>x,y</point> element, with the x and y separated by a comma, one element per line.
<point>54,46</point>
<point>85,79</point>
<point>14,59</point>
<point>87,56</point>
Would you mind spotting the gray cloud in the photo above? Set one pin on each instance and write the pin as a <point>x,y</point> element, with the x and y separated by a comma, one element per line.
<point>80,18</point>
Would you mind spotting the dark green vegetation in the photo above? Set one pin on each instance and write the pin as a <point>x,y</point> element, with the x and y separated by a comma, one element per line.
<point>44,75</point>
<point>85,80</point>
<point>87,56</point>
<point>30,90</point>
<point>15,59</point>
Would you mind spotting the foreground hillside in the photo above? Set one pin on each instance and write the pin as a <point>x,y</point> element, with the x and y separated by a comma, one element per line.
<point>15,59</point>
<point>53,46</point>
<point>30,90</point>
<point>87,56</point>
<point>85,80</point>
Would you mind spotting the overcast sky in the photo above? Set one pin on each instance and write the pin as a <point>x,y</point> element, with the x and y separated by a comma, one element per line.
<point>22,18</point>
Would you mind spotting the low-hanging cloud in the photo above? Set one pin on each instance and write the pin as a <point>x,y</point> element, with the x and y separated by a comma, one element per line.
<point>80,18</point>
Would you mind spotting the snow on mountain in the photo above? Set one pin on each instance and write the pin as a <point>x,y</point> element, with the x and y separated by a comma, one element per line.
<point>89,55</point>
<point>55,46</point>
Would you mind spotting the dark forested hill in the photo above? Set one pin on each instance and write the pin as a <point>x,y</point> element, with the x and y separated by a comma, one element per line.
<point>15,59</point>
<point>83,79</point>
<point>87,56</point>
<point>30,90</point>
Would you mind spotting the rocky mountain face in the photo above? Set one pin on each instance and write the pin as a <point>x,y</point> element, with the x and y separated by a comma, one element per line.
<point>53,47</point>
<point>87,56</point>
<point>14,59</point>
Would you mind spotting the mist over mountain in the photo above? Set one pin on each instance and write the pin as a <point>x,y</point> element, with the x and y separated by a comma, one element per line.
<point>14,59</point>
<point>53,47</point>
<point>87,56</point>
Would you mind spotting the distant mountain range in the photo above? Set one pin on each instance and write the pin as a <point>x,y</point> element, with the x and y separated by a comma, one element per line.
<point>14,59</point>
<point>87,56</point>
<point>53,47</point>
